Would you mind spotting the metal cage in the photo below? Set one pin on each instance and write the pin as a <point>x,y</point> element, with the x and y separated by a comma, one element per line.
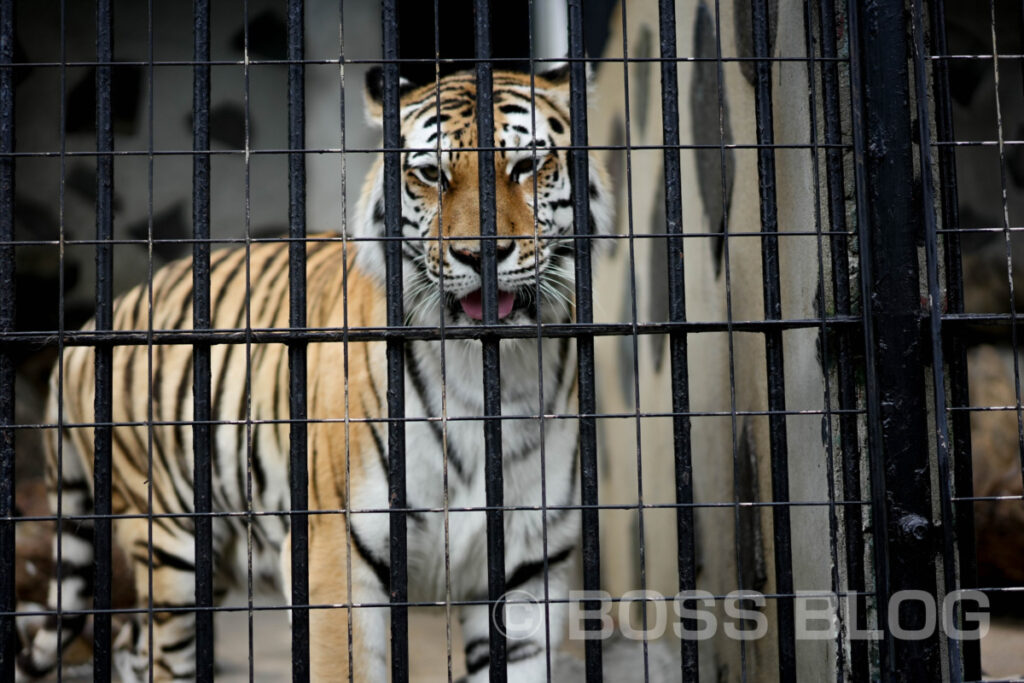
<point>772,346</point>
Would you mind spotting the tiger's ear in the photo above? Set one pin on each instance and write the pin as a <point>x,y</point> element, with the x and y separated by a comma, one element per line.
<point>374,91</point>
<point>558,74</point>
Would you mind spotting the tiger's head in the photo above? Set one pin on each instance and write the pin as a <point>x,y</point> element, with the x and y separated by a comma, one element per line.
<point>440,193</point>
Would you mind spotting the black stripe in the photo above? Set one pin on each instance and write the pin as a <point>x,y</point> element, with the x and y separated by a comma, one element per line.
<point>517,652</point>
<point>527,570</point>
<point>478,664</point>
<point>513,109</point>
<point>181,644</point>
<point>432,121</point>
<point>474,644</point>
<point>379,567</point>
<point>167,559</point>
<point>413,368</point>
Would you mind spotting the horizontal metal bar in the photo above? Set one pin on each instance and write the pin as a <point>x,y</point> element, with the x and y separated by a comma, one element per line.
<point>477,418</point>
<point>476,509</point>
<point>455,603</point>
<point>413,60</point>
<point>278,151</point>
<point>370,334</point>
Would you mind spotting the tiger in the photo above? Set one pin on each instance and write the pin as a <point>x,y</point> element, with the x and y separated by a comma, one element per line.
<point>348,552</point>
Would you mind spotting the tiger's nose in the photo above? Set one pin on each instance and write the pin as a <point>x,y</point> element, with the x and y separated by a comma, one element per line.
<point>472,258</point>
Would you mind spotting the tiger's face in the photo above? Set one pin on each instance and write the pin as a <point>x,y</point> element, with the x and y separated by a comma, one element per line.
<point>441,211</point>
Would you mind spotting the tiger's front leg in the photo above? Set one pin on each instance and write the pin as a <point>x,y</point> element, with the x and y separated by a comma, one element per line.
<point>534,627</point>
<point>336,632</point>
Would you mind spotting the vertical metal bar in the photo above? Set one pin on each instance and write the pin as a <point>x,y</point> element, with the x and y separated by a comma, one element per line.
<point>889,222</point>
<point>399,593</point>
<point>579,166</point>
<point>945,481</point>
<point>847,389</point>
<point>641,555</point>
<point>201,432</point>
<point>104,351</point>
<point>494,493</point>
<point>297,350</point>
<point>685,529</point>
<point>956,350</point>
<point>8,602</point>
<point>773,341</point>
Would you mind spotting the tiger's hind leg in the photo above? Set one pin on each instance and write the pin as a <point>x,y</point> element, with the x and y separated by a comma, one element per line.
<point>170,570</point>
<point>535,618</point>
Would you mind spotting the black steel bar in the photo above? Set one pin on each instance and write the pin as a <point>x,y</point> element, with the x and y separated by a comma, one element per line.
<point>8,600</point>
<point>104,352</point>
<point>399,589</point>
<point>201,371</point>
<point>634,356</point>
<point>298,465</point>
<point>889,223</point>
<point>358,334</point>
<point>249,450</point>
<point>150,350</point>
<point>579,169</point>
<point>453,60</point>
<point>494,480</point>
<point>845,344</point>
<point>955,350</point>
<point>686,559</point>
<point>783,551</point>
<point>935,293</point>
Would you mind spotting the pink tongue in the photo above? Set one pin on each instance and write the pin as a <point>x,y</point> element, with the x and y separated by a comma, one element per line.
<point>473,304</point>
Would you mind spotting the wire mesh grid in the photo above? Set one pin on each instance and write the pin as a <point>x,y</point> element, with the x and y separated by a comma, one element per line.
<point>737,401</point>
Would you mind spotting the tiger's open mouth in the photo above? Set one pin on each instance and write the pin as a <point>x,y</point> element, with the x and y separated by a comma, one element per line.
<point>473,304</point>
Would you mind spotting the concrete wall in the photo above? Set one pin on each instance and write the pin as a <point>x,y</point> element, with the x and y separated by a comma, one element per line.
<point>730,450</point>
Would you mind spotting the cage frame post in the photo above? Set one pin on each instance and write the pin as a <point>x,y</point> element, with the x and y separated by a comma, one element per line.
<point>905,539</point>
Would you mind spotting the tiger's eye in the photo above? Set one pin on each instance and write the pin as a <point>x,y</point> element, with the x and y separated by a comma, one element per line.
<point>430,173</point>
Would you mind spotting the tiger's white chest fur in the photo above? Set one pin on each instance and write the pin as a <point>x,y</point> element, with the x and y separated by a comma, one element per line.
<point>538,465</point>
